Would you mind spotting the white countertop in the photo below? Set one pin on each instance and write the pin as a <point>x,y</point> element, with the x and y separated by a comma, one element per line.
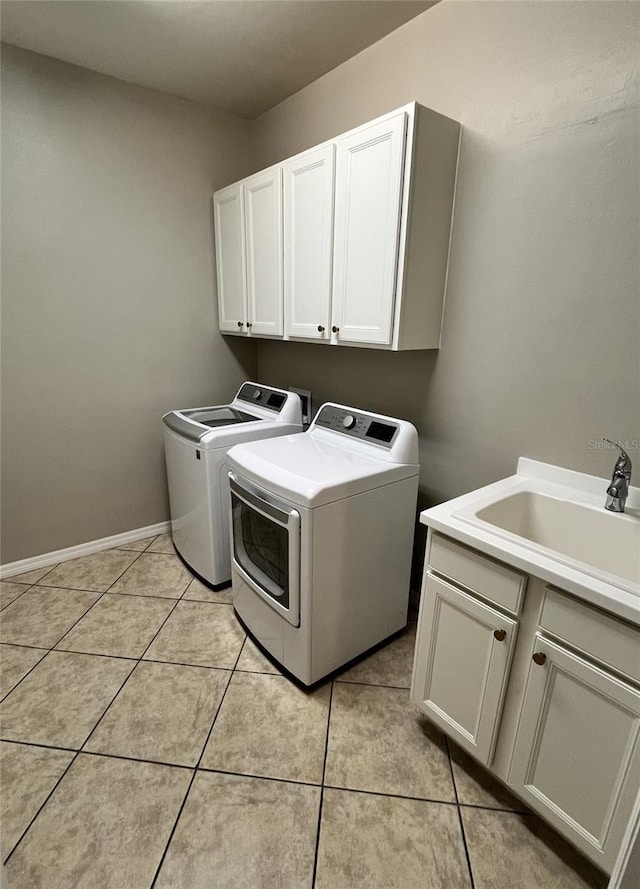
<point>456,518</point>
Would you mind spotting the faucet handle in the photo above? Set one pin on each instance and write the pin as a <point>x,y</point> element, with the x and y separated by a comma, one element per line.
<point>623,463</point>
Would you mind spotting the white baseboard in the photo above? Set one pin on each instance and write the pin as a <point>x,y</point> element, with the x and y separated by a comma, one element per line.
<point>83,549</point>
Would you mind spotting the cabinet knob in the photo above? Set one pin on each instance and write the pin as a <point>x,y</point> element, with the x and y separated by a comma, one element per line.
<point>335,329</point>
<point>320,328</point>
<point>240,324</point>
<point>249,324</point>
<point>500,635</point>
<point>539,658</point>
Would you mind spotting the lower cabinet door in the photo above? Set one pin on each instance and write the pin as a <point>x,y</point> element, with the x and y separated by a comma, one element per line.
<point>463,654</point>
<point>577,753</point>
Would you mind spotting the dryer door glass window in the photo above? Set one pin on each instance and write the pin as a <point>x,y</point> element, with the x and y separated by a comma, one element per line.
<point>266,549</point>
<point>261,548</point>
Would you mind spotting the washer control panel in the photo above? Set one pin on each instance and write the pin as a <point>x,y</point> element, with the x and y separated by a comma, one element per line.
<point>273,399</point>
<point>355,424</point>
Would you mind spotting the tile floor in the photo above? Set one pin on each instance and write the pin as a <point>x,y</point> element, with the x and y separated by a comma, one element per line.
<point>146,742</point>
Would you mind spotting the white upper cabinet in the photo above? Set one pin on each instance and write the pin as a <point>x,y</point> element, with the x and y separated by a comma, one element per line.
<point>263,214</point>
<point>228,212</point>
<point>308,243</point>
<point>367,222</point>
<point>348,243</point>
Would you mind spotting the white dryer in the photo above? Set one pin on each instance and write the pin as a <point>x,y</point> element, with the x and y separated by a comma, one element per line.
<point>196,441</point>
<point>323,526</point>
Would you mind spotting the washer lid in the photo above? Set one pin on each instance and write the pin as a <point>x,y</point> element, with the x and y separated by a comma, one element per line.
<point>224,415</point>
<point>311,470</point>
<point>195,424</point>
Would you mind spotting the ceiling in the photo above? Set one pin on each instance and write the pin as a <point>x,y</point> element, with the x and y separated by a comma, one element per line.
<point>240,56</point>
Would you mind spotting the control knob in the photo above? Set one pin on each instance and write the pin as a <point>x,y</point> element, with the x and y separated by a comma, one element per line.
<point>349,421</point>
<point>257,393</point>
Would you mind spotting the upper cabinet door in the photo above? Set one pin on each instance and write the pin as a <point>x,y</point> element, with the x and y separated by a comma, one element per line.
<point>369,171</point>
<point>263,213</point>
<point>308,243</point>
<point>228,213</point>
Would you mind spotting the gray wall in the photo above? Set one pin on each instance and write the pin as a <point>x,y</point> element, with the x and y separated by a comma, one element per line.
<point>540,349</point>
<point>108,295</point>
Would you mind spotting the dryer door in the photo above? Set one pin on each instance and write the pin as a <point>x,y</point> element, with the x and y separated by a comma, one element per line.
<point>266,547</point>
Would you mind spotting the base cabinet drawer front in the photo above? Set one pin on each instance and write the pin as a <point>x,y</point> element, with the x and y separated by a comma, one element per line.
<point>577,752</point>
<point>607,639</point>
<point>497,583</point>
<point>463,654</point>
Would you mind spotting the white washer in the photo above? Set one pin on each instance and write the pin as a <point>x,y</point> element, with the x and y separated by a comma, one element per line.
<point>323,526</point>
<point>196,441</point>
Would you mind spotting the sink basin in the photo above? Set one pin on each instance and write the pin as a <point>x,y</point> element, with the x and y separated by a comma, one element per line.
<point>550,523</point>
<point>603,540</point>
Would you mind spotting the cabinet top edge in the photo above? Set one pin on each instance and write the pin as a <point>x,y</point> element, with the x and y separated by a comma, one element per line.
<point>413,109</point>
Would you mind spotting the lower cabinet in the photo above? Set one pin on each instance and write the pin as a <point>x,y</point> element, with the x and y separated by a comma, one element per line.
<point>577,753</point>
<point>554,713</point>
<point>461,669</point>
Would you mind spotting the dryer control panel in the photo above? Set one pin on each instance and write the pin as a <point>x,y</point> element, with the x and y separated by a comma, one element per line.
<point>356,424</point>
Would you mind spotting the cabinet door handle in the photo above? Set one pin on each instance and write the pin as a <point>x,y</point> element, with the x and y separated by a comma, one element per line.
<point>539,658</point>
<point>240,324</point>
<point>335,329</point>
<point>249,324</point>
<point>320,328</point>
<point>500,635</point>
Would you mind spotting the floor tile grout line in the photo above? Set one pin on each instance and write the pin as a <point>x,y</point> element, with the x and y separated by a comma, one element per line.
<point>257,777</point>
<point>141,553</point>
<point>58,641</point>
<point>417,799</point>
<point>47,573</point>
<point>39,744</point>
<point>149,762</point>
<point>81,750</point>
<point>451,769</point>
<point>39,583</point>
<point>24,645</point>
<point>159,630</point>
<point>112,592</point>
<point>104,712</point>
<point>193,777</point>
<point>29,671</point>
<point>44,803</point>
<point>19,596</point>
<point>66,589</point>
<point>50,568</point>
<point>48,797</point>
<point>122,573</point>
<point>459,811</point>
<point>68,630</point>
<point>466,847</point>
<point>322,786</point>
<point>142,660</point>
<point>138,661</point>
<point>423,799</point>
<point>100,595</point>
<point>253,776</point>
<point>49,650</point>
<point>372,684</point>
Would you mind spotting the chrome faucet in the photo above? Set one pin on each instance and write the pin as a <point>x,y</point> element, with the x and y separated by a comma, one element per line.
<point>619,488</point>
